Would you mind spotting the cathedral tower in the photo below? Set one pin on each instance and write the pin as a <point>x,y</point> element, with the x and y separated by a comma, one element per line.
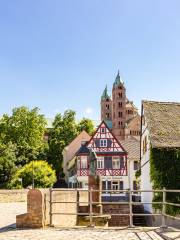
<point>119,108</point>
<point>106,106</point>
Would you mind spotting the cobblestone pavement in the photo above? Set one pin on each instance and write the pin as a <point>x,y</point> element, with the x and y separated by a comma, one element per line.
<point>79,234</point>
<point>8,212</point>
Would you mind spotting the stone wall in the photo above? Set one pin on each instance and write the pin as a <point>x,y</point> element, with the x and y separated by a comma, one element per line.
<point>117,220</point>
<point>64,219</point>
<point>16,195</point>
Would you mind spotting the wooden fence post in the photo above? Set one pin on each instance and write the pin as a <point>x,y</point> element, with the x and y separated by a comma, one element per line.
<point>163,225</point>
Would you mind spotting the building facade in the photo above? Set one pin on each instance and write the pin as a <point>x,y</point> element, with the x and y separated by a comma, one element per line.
<point>119,113</point>
<point>111,162</point>
<point>160,130</point>
<point>70,150</point>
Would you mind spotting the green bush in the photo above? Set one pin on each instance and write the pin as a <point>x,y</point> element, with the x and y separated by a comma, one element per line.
<point>42,173</point>
<point>165,173</point>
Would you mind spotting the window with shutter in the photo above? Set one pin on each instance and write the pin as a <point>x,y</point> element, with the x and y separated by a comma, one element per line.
<point>103,142</point>
<point>115,185</point>
<point>121,185</point>
<point>121,162</point>
<point>116,163</point>
<point>103,185</point>
<point>100,162</point>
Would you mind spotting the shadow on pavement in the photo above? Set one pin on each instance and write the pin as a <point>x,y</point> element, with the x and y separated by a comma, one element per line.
<point>8,228</point>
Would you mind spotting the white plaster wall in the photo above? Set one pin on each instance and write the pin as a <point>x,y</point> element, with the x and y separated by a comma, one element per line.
<point>131,172</point>
<point>145,172</point>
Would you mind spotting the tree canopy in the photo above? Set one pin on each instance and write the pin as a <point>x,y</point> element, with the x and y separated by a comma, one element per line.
<point>87,125</point>
<point>42,173</point>
<point>22,139</point>
<point>25,129</point>
<point>63,132</point>
<point>7,163</point>
<point>65,129</point>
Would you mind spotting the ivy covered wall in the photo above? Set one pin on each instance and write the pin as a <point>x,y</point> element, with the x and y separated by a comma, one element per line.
<point>165,173</point>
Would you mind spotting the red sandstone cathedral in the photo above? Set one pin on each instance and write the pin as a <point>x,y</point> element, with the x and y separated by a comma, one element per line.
<point>119,113</point>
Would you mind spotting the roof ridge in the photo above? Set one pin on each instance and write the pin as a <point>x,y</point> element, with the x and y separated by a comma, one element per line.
<point>160,102</point>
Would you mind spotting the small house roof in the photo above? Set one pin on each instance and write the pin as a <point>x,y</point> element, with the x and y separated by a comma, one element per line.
<point>163,122</point>
<point>83,149</point>
<point>132,146</point>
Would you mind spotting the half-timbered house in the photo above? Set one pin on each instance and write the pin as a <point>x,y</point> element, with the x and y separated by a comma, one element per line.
<point>111,161</point>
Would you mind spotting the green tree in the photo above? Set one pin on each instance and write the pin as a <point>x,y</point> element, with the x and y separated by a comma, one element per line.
<point>7,163</point>
<point>87,125</point>
<point>25,128</point>
<point>42,173</point>
<point>63,132</point>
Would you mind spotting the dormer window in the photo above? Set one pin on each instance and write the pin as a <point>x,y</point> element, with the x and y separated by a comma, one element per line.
<point>103,142</point>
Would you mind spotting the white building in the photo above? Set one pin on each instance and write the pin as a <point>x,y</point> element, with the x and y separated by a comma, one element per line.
<point>160,129</point>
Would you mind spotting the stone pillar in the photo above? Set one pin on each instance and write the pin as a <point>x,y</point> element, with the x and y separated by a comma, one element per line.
<point>35,216</point>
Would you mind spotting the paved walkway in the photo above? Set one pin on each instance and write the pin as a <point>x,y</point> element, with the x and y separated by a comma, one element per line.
<point>8,212</point>
<point>79,234</point>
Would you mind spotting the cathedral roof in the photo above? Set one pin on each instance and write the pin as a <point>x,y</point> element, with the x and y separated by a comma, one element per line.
<point>108,123</point>
<point>105,95</point>
<point>118,81</point>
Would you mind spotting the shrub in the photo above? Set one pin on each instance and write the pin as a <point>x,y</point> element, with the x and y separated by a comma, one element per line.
<point>42,173</point>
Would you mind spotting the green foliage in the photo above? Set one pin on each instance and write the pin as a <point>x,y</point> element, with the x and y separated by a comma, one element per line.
<point>87,125</point>
<point>138,173</point>
<point>7,163</point>
<point>63,132</point>
<point>25,128</point>
<point>165,173</point>
<point>44,176</point>
<point>22,139</point>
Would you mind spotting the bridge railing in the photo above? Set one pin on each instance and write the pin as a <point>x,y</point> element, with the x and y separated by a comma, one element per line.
<point>131,203</point>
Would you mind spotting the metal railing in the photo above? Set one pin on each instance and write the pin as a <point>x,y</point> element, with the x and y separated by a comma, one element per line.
<point>131,203</point>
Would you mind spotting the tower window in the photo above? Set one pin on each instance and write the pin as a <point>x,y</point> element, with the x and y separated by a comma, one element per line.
<point>120,114</point>
<point>120,95</point>
<point>120,104</point>
<point>107,115</point>
<point>120,123</point>
<point>107,106</point>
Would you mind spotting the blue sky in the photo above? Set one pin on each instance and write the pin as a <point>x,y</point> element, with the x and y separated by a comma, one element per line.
<point>60,54</point>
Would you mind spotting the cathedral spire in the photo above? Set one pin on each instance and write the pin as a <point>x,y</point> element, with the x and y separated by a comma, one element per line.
<point>105,94</point>
<point>118,81</point>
